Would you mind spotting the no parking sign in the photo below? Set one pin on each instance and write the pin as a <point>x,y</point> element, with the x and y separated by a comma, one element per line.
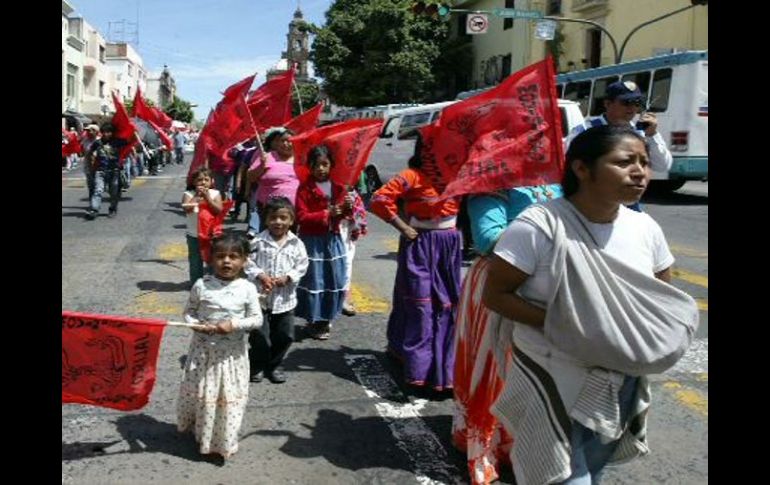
<point>477,24</point>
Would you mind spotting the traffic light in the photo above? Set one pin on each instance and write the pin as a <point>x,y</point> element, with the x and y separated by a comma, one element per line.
<point>434,10</point>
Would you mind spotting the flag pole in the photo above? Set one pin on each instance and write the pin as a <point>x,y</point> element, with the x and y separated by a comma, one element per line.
<point>299,98</point>
<point>253,125</point>
<point>172,323</point>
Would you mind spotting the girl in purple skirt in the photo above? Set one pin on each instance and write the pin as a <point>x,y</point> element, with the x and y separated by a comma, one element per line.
<point>427,288</point>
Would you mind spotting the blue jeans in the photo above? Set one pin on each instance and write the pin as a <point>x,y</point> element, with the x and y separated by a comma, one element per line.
<point>109,177</point>
<point>179,152</point>
<point>127,164</point>
<point>589,454</point>
<point>139,164</point>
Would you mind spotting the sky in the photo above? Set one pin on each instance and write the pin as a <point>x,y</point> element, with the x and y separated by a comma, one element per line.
<point>207,44</point>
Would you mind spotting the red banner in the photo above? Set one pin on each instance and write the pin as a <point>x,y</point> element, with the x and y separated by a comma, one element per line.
<point>162,119</point>
<point>229,125</point>
<point>239,89</point>
<point>350,143</point>
<point>307,120</point>
<point>141,110</point>
<point>506,137</point>
<point>72,145</point>
<point>124,127</point>
<point>109,361</point>
<point>270,104</point>
<point>153,117</point>
<point>210,226</point>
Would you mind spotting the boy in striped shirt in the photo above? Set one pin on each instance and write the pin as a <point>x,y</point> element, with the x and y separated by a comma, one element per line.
<point>277,261</point>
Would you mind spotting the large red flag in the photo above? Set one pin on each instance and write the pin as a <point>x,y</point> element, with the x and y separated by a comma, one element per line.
<point>72,145</point>
<point>124,127</point>
<point>230,125</point>
<point>109,361</point>
<point>350,143</point>
<point>210,226</point>
<point>506,137</point>
<point>270,104</point>
<point>202,147</point>
<point>141,110</point>
<point>306,121</point>
<point>161,119</point>
<point>239,89</point>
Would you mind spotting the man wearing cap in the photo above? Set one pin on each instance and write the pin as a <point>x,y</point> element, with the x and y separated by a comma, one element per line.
<point>622,102</point>
<point>90,136</point>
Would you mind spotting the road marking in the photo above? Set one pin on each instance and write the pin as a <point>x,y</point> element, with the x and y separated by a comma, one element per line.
<point>419,443</point>
<point>391,244</point>
<point>703,304</point>
<point>690,398</point>
<point>151,303</point>
<point>690,277</point>
<point>138,182</point>
<point>173,251</point>
<point>364,301</point>
<point>689,252</point>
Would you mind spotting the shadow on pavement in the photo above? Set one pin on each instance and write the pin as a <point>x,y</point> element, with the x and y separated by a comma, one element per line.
<point>165,286</point>
<point>329,361</point>
<point>144,434</point>
<point>359,443</point>
<point>393,256</point>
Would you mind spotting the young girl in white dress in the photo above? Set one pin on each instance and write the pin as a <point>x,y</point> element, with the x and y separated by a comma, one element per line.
<point>215,383</point>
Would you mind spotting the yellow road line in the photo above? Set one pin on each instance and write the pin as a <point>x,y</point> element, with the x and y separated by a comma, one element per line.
<point>364,300</point>
<point>690,398</point>
<point>702,377</point>
<point>391,244</point>
<point>138,182</point>
<point>690,252</point>
<point>694,278</point>
<point>173,252</point>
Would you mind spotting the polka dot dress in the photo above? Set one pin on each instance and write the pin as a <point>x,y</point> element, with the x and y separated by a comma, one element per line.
<point>215,383</point>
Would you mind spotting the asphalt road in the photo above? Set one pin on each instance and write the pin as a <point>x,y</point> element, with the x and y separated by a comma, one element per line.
<point>342,417</point>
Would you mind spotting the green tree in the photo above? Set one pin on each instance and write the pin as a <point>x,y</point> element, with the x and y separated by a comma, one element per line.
<point>180,109</point>
<point>129,103</point>
<point>373,52</point>
<point>308,94</point>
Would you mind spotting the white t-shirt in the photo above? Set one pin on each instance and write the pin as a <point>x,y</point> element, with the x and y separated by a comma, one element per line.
<point>192,217</point>
<point>633,237</point>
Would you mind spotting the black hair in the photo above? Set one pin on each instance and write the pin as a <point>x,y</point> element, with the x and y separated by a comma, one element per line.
<point>230,241</point>
<point>108,127</point>
<point>196,173</point>
<point>276,203</point>
<point>591,145</point>
<point>316,153</point>
<point>275,134</point>
<point>415,161</point>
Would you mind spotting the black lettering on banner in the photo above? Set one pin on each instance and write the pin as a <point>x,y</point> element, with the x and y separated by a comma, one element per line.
<point>527,95</point>
<point>141,356</point>
<point>355,148</point>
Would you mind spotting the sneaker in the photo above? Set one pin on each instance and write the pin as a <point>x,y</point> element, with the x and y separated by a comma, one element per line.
<point>323,332</point>
<point>112,213</point>
<point>91,214</point>
<point>276,377</point>
<point>257,377</point>
<point>348,310</point>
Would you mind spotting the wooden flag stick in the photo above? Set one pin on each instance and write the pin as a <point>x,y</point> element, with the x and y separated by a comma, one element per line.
<point>261,148</point>
<point>172,323</point>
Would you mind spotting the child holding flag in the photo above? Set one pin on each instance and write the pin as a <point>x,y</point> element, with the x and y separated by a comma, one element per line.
<point>215,383</point>
<point>321,207</point>
<point>199,191</point>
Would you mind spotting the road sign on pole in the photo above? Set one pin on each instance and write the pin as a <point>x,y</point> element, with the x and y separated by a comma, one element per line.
<point>477,24</point>
<point>511,13</point>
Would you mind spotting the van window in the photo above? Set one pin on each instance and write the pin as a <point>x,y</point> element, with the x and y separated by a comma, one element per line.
<point>390,125</point>
<point>435,116</point>
<point>642,79</point>
<point>597,98</point>
<point>580,93</point>
<point>409,122</point>
<point>661,88</point>
<point>564,123</point>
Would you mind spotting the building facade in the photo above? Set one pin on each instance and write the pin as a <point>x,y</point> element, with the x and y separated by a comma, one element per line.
<point>97,77</point>
<point>161,88</point>
<point>127,69</point>
<point>72,54</point>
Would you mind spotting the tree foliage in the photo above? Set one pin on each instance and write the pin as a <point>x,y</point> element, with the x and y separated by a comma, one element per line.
<point>180,109</point>
<point>129,103</point>
<point>309,94</point>
<point>373,52</point>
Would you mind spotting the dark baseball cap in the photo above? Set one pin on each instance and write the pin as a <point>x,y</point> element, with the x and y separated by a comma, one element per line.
<point>624,91</point>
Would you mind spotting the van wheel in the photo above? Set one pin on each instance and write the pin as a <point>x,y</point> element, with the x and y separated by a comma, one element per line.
<point>664,186</point>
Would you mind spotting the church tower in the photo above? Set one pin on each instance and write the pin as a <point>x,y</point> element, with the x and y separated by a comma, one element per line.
<point>298,48</point>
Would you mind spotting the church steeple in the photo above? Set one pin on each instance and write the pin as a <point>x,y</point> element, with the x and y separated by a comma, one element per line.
<point>298,49</point>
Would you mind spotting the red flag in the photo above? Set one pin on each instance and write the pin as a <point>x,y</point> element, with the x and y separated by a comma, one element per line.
<point>141,110</point>
<point>162,134</point>
<point>210,226</point>
<point>350,143</point>
<point>202,147</point>
<point>229,125</point>
<point>161,119</point>
<point>124,127</point>
<point>109,361</point>
<point>239,89</point>
<point>506,137</point>
<point>306,121</point>
<point>72,145</point>
<point>270,104</point>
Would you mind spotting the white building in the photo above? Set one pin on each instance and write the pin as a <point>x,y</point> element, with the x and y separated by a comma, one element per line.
<point>72,47</point>
<point>127,68</point>
<point>97,76</point>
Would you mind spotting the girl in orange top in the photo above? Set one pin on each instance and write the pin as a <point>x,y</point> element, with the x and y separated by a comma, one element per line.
<point>427,287</point>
